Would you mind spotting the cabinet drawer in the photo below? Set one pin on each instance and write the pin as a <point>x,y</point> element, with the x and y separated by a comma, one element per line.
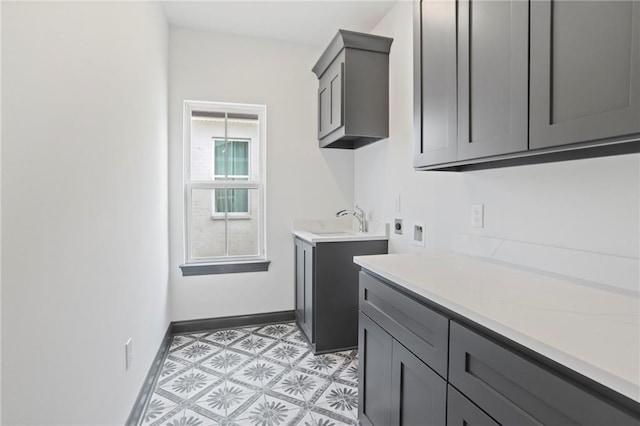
<point>462,412</point>
<point>420,329</point>
<point>516,391</point>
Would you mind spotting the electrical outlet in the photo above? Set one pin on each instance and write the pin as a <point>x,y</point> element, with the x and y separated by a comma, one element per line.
<point>397,227</point>
<point>419,236</point>
<point>398,204</point>
<point>477,215</point>
<point>128,350</point>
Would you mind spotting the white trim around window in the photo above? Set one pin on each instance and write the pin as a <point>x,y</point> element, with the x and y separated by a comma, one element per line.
<point>225,263</point>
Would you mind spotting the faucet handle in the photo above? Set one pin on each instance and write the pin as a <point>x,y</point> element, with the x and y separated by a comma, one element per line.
<point>361,211</point>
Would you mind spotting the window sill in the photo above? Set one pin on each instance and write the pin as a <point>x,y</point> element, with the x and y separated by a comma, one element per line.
<point>192,269</point>
<point>230,217</point>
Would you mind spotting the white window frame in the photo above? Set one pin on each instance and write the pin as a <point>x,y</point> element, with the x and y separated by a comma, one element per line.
<point>231,215</point>
<point>259,185</point>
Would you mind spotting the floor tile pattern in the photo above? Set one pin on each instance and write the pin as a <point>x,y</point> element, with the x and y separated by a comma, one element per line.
<point>253,376</point>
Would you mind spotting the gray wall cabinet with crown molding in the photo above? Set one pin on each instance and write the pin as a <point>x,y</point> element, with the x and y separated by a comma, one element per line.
<point>353,94</point>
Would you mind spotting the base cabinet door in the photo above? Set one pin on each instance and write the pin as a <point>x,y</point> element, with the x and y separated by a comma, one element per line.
<point>462,412</point>
<point>304,287</point>
<point>299,277</point>
<point>418,394</point>
<point>375,347</point>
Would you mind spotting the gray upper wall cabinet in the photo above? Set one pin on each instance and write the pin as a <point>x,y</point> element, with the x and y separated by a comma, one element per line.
<point>585,71</point>
<point>504,83</point>
<point>353,93</point>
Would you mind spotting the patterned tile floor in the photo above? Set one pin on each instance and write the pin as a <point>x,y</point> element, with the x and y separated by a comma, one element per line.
<point>258,376</point>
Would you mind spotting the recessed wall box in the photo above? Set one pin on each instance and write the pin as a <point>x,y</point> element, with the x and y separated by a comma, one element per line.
<point>419,234</point>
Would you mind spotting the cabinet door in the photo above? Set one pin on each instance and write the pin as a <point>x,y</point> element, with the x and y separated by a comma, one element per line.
<point>308,290</point>
<point>330,97</point>
<point>462,412</point>
<point>493,43</point>
<point>375,347</point>
<point>299,277</point>
<point>435,139</point>
<point>585,71</point>
<point>418,394</point>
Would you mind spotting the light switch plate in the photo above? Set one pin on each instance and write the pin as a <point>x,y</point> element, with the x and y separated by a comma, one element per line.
<point>477,215</point>
<point>419,234</point>
<point>128,351</point>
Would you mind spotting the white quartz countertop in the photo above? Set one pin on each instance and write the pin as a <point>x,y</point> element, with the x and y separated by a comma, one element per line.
<point>593,331</point>
<point>338,230</point>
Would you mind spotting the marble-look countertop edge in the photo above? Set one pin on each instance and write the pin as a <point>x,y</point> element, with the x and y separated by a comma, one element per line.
<point>591,371</point>
<point>310,237</point>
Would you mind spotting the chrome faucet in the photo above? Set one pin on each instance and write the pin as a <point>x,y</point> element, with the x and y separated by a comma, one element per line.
<point>359,214</point>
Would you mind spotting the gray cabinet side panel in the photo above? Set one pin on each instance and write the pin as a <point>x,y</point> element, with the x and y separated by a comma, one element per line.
<point>336,292</point>
<point>374,373</point>
<point>418,394</point>
<point>515,391</point>
<point>309,288</point>
<point>435,82</point>
<point>493,42</point>
<point>585,71</point>
<point>462,412</point>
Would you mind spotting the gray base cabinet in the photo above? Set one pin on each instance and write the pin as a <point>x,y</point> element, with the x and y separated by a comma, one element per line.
<point>326,291</point>
<point>484,381</point>
<point>396,387</point>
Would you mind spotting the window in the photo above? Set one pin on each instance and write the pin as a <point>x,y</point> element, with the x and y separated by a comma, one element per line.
<point>224,188</point>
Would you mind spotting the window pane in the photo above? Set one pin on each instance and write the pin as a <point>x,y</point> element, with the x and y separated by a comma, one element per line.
<point>207,235</point>
<point>244,232</point>
<point>237,199</point>
<point>215,234</point>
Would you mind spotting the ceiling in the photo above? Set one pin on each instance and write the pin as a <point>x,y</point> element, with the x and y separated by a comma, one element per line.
<point>313,22</point>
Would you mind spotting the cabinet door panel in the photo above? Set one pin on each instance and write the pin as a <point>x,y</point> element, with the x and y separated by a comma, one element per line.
<point>493,39</point>
<point>435,82</point>
<point>585,71</point>
<point>330,99</point>
<point>308,290</point>
<point>299,265</point>
<point>419,395</point>
<point>374,373</point>
<point>462,412</point>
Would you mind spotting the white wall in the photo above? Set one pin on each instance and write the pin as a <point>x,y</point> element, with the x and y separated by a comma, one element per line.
<point>576,218</point>
<point>84,207</point>
<point>302,180</point>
